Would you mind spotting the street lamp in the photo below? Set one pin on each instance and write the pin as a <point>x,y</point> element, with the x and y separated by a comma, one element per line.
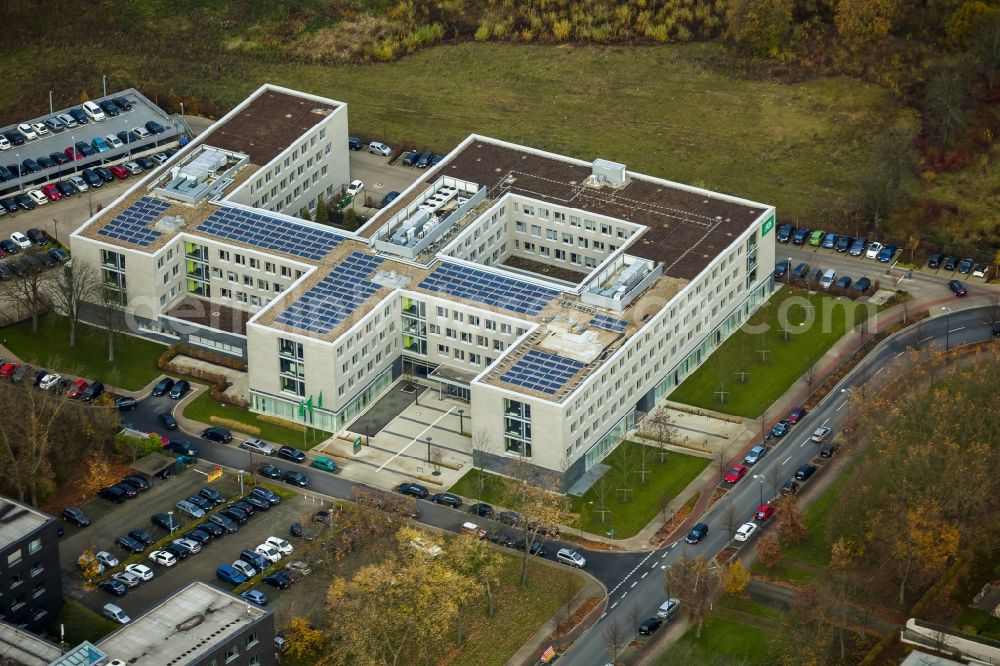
<point>760,477</point>
<point>428,450</point>
<point>55,230</point>
<point>947,327</point>
<point>50,103</point>
<point>788,273</point>
<point>104,84</point>
<point>170,518</point>
<point>666,575</point>
<point>241,481</point>
<point>461,416</point>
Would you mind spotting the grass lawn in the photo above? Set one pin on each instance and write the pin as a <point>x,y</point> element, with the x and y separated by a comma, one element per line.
<point>204,407</point>
<point>787,359</point>
<point>82,624</point>
<point>786,570</point>
<point>135,359</point>
<point>814,549</point>
<point>722,641</point>
<point>519,613</point>
<point>664,482</point>
<point>804,139</point>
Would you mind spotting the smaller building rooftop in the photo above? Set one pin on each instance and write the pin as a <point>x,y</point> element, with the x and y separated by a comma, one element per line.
<point>18,646</point>
<point>193,621</point>
<point>271,122</point>
<point>18,520</point>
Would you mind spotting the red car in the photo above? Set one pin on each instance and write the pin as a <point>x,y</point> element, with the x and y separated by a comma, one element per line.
<point>73,154</point>
<point>121,173</point>
<point>736,473</point>
<point>764,511</point>
<point>51,192</point>
<point>77,388</point>
<point>8,369</point>
<point>795,415</point>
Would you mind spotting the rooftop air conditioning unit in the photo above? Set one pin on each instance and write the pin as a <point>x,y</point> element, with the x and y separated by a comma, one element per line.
<point>605,172</point>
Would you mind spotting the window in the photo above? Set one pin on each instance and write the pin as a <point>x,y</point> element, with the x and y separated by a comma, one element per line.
<point>232,653</point>
<point>240,259</point>
<point>223,255</point>
<point>13,559</point>
<point>34,546</point>
<point>536,230</point>
<point>226,293</point>
<point>247,280</point>
<point>252,639</point>
<point>286,272</point>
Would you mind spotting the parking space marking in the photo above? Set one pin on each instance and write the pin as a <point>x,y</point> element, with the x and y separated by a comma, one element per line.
<point>422,433</point>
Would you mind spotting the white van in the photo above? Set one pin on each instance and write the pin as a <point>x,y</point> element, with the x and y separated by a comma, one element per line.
<point>828,277</point>
<point>93,111</point>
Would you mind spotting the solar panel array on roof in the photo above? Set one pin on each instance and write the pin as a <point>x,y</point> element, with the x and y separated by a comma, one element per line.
<point>542,371</point>
<point>496,290</point>
<point>270,233</point>
<point>132,224</point>
<point>333,299</point>
<point>609,323</point>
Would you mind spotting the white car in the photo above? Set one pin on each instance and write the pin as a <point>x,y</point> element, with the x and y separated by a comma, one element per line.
<point>820,434</point>
<point>283,546</point>
<point>27,132</point>
<point>163,557</point>
<point>190,545</point>
<point>113,141</point>
<point>40,128</point>
<point>255,445</point>
<point>38,197</point>
<point>873,250</point>
<point>67,120</point>
<point>107,559</point>
<point>4,143</point>
<point>746,531</point>
<point>244,569</point>
<point>140,570</point>
<point>571,557</point>
<point>426,547</point>
<point>127,578</point>
<point>49,381</point>
<point>379,148</point>
<point>268,552</point>
<point>981,271</point>
<point>21,240</point>
<point>354,188</point>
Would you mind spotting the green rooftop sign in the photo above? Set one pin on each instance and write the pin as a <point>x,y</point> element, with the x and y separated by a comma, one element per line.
<point>768,225</point>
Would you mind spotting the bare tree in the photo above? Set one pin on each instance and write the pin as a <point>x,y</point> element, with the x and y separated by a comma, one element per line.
<point>625,464</point>
<point>730,518</point>
<point>642,471</point>
<point>77,285</point>
<point>762,419</point>
<point>721,461</point>
<point>603,489</point>
<point>809,377</point>
<point>664,429</point>
<point>480,448</point>
<point>111,314</point>
<point>696,582</point>
<point>775,477</point>
<point>29,290</point>
<point>614,637</point>
<point>635,618</point>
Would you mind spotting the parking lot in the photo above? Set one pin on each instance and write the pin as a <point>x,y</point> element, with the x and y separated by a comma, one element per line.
<point>111,520</point>
<point>380,177</point>
<point>143,111</point>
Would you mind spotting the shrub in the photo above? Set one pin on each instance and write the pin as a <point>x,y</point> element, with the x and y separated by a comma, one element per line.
<point>233,424</point>
<point>277,420</point>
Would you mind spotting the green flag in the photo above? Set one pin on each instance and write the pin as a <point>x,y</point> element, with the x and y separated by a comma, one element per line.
<point>319,403</point>
<point>302,410</point>
<point>309,404</point>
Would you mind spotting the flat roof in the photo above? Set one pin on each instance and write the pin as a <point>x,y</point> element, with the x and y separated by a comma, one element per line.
<point>193,621</point>
<point>687,229</point>
<point>268,124</point>
<point>25,648</point>
<point>210,314</point>
<point>18,520</point>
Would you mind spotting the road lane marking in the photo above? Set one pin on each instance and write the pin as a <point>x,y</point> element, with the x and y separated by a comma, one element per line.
<point>425,430</point>
<point>624,594</point>
<point>824,423</point>
<point>956,330</point>
<point>653,565</point>
<point>634,583</point>
<point>841,405</point>
<point>786,460</point>
<point>929,337</point>
<point>879,370</point>
<point>900,354</point>
<point>645,573</point>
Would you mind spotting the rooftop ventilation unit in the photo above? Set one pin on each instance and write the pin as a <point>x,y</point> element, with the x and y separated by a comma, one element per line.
<point>169,223</point>
<point>608,173</point>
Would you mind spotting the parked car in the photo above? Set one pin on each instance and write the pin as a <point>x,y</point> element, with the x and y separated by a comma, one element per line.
<point>217,434</point>
<point>278,579</point>
<point>267,495</point>
<point>858,247</point>
<point>781,269</point>
<point>255,597</point>
<point>141,536</point>
<point>127,579</point>
<point>795,415</point>
<point>165,521</point>
<point>697,533</point>
<point>668,608</point>
<point>745,531</point>
<point>828,450</point>
<point>125,404</point>
<point>115,614</point>
<point>791,487</point>
<point>140,484</point>
<point>785,232</point>
<point>388,198</point>
<point>163,558</point>
<point>212,495</point>
<point>255,445</point>
<point>75,515</point>
<point>113,494</point>
<point>980,270</point>
<point>755,454</point>
<point>805,471</point>
<point>828,277</point>
<point>190,509</point>
<point>179,389</point>
<point>800,236</point>
<point>224,522</point>
<point>155,127</point>
<point>228,574</point>
<point>820,434</point>
<point>800,271</point>
<point>269,471</point>
<point>92,392</point>
<point>886,254</point>
<point>649,626</point>
<point>182,447</point>
<point>873,249</point>
<point>862,285</point>
<point>736,473</point>
<point>843,282</point>
<point>965,266</point>
<point>295,478</point>
<point>354,188</point>
<point>950,263</point>
<point>448,499</point>
<point>378,148</point>
<point>764,511</point>
<point>324,463</point>
<point>291,453</point>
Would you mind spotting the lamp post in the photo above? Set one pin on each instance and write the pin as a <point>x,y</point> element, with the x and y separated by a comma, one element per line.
<point>170,517</point>
<point>461,422</point>
<point>182,111</point>
<point>55,230</point>
<point>760,477</point>
<point>428,450</point>
<point>666,575</point>
<point>104,84</point>
<point>947,327</point>
<point>50,103</point>
<point>788,273</point>
<point>241,481</point>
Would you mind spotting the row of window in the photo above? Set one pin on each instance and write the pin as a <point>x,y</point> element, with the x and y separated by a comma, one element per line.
<point>558,254</point>
<point>560,218</point>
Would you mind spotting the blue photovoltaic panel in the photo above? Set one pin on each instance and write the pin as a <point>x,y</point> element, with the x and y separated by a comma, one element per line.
<point>496,290</point>
<point>609,323</point>
<point>542,371</point>
<point>269,233</point>
<point>132,224</point>
<point>333,299</point>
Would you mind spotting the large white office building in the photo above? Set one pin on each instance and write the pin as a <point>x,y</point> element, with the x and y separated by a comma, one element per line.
<point>559,298</point>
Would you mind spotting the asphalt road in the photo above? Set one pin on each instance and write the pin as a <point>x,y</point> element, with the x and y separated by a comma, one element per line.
<point>644,585</point>
<point>637,578</point>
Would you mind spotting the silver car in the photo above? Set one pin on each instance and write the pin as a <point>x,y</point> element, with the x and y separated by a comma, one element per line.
<point>191,509</point>
<point>190,545</point>
<point>255,445</point>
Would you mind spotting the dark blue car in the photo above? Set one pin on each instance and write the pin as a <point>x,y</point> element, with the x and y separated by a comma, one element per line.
<point>887,253</point>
